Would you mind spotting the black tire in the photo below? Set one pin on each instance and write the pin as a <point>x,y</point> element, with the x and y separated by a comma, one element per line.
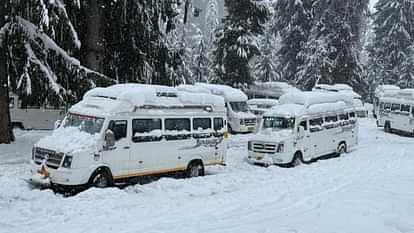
<point>387,127</point>
<point>297,159</point>
<point>342,149</point>
<point>195,169</point>
<point>230,129</point>
<point>101,179</point>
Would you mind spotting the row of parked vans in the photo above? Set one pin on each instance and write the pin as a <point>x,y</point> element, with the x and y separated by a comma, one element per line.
<point>128,131</point>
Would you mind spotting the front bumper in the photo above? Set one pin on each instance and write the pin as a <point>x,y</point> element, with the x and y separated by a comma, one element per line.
<point>269,159</point>
<point>244,128</point>
<point>60,176</point>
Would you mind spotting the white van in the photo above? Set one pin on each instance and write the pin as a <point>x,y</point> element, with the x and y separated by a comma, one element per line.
<point>240,119</point>
<point>397,112</point>
<point>26,116</point>
<point>268,90</point>
<point>129,131</point>
<point>304,127</point>
<point>380,92</point>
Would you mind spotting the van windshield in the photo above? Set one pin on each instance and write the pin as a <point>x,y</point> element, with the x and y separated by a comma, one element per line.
<point>278,123</point>
<point>239,106</point>
<point>88,124</point>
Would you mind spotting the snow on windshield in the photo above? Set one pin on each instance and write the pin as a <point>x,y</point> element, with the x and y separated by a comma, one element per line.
<point>88,124</point>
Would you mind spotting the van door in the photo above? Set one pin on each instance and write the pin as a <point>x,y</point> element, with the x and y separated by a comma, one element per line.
<point>117,157</point>
<point>317,137</point>
<point>219,131</point>
<point>304,142</point>
<point>148,147</point>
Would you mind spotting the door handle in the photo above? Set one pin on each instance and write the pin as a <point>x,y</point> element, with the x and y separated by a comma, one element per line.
<point>179,157</point>
<point>126,147</point>
<point>140,162</point>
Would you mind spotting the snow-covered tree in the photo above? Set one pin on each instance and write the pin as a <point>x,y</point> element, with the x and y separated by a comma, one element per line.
<point>332,53</point>
<point>292,20</point>
<point>266,65</point>
<point>391,54</point>
<point>237,40</point>
<point>211,22</point>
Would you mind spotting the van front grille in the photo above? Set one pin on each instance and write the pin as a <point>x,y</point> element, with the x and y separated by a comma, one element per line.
<point>53,159</point>
<point>264,148</point>
<point>250,122</point>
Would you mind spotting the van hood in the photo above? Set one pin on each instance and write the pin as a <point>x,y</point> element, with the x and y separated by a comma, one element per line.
<point>70,140</point>
<point>274,136</point>
<point>243,115</point>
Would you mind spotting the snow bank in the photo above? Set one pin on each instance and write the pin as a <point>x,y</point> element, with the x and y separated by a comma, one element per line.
<point>228,93</point>
<point>69,140</point>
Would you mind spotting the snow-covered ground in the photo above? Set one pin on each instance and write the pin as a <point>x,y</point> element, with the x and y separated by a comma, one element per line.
<point>371,189</point>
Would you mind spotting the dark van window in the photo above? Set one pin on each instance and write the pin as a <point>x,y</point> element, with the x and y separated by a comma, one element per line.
<point>352,114</point>
<point>343,117</point>
<point>387,106</point>
<point>405,108</point>
<point>201,123</point>
<point>142,130</point>
<point>330,122</point>
<point>315,125</point>
<point>395,107</point>
<point>304,124</point>
<point>119,128</point>
<point>218,124</point>
<point>177,129</point>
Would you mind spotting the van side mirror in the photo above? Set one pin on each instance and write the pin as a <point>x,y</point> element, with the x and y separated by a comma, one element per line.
<point>57,124</point>
<point>109,139</point>
<point>301,132</point>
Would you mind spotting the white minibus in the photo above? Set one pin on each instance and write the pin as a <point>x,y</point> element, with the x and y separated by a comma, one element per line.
<point>380,92</point>
<point>33,116</point>
<point>129,131</point>
<point>240,119</point>
<point>396,113</point>
<point>304,127</point>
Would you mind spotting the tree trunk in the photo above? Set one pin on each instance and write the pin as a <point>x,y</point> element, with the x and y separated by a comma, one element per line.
<point>6,133</point>
<point>93,44</point>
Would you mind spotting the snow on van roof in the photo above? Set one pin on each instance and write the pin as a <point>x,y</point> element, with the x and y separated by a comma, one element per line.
<point>126,97</point>
<point>293,104</point>
<point>258,101</point>
<point>386,90</point>
<point>399,95</point>
<point>228,93</point>
<point>309,98</point>
<point>339,87</point>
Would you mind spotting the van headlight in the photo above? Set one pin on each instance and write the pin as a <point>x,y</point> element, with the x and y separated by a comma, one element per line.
<point>280,148</point>
<point>67,162</point>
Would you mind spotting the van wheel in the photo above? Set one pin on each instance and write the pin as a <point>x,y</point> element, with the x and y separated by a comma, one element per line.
<point>297,159</point>
<point>341,149</point>
<point>195,169</point>
<point>230,129</point>
<point>101,179</point>
<point>387,127</point>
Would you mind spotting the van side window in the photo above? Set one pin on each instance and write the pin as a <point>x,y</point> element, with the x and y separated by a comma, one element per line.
<point>352,115</point>
<point>344,119</point>
<point>119,128</point>
<point>201,123</point>
<point>405,109</point>
<point>381,106</point>
<point>395,107</point>
<point>177,128</point>
<point>218,124</point>
<point>11,102</point>
<point>412,110</point>
<point>304,124</point>
<point>146,130</point>
<point>330,122</point>
<point>387,106</point>
<point>352,119</point>
<point>315,125</point>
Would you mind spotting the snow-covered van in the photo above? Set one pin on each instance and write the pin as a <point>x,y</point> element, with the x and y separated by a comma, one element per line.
<point>132,130</point>
<point>380,92</point>
<point>33,116</point>
<point>260,106</point>
<point>396,111</point>
<point>240,119</point>
<point>304,127</point>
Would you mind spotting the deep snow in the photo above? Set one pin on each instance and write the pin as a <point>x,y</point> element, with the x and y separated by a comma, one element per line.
<point>370,189</point>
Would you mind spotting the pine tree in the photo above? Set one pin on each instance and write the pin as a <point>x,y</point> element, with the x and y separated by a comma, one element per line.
<point>293,22</point>
<point>332,52</point>
<point>391,51</point>
<point>266,65</point>
<point>237,40</point>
